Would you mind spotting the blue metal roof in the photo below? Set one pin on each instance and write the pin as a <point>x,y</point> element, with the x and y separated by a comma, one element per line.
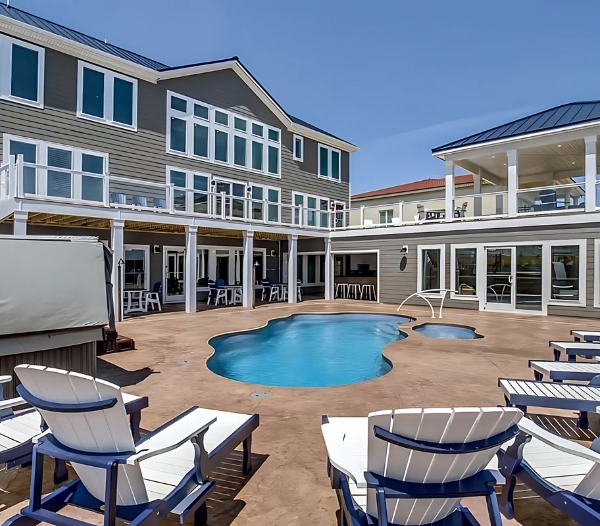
<point>559,117</point>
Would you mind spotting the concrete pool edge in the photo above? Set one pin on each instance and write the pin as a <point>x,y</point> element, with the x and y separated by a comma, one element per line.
<point>476,335</point>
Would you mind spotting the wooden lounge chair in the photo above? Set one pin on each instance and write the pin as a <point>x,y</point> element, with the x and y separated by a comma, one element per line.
<point>18,430</point>
<point>413,466</point>
<point>525,393</point>
<point>559,371</point>
<point>564,473</point>
<point>164,472</point>
<point>574,349</point>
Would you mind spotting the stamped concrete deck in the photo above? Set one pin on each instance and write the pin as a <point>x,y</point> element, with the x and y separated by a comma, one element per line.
<point>289,485</point>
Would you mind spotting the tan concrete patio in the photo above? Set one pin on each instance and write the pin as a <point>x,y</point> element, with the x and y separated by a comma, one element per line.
<point>289,485</point>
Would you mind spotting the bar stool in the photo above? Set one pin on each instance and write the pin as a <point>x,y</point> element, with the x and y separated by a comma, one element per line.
<point>355,290</point>
<point>341,290</point>
<point>370,290</point>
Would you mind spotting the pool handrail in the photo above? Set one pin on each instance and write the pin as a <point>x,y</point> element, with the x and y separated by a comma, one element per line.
<point>439,293</point>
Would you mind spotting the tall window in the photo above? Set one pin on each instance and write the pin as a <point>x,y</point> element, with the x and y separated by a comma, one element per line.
<point>310,210</point>
<point>465,272</point>
<point>191,190</point>
<point>260,194</point>
<point>329,162</point>
<point>203,131</point>
<point>137,258</point>
<point>431,268</point>
<point>385,216</point>
<point>21,71</point>
<point>106,96</point>
<point>565,272</point>
<point>298,148</point>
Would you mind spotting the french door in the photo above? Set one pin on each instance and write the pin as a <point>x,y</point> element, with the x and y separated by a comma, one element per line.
<point>173,275</point>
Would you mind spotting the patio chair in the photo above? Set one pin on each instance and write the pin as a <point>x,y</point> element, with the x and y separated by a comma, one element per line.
<point>548,199</point>
<point>564,473</point>
<point>165,472</point>
<point>118,199</point>
<point>562,288</point>
<point>266,289</point>
<point>221,291</point>
<point>574,349</point>
<point>420,213</point>
<point>413,466</point>
<point>559,371</point>
<point>460,211</point>
<point>139,200</point>
<point>159,203</point>
<point>18,430</point>
<point>585,336</point>
<point>573,397</point>
<point>153,298</point>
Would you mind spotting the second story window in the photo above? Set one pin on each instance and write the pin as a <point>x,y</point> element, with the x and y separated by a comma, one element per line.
<point>106,96</point>
<point>329,162</point>
<point>385,216</point>
<point>21,72</point>
<point>198,130</point>
<point>298,148</point>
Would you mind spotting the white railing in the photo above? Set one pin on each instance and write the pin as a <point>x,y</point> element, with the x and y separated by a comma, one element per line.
<point>429,294</point>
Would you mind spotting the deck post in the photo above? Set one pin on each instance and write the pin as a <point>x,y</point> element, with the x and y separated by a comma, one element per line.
<point>449,190</point>
<point>513,182</point>
<point>590,173</point>
<point>329,273</point>
<point>190,278</point>
<point>116,243</point>
<point>292,268</point>
<point>247,279</point>
<point>20,223</point>
<point>477,191</point>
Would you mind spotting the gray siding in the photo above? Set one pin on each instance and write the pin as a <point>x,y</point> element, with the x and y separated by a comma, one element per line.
<point>396,285</point>
<point>142,154</point>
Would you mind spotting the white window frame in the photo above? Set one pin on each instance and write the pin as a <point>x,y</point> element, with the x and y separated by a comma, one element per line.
<point>454,294</point>
<point>304,278</point>
<point>329,150</point>
<point>266,189</point>
<point>190,119</point>
<point>189,188</point>
<point>305,205</point>
<point>386,210</point>
<point>212,261</point>
<point>6,44</point>
<point>109,93</point>
<point>442,249</point>
<point>597,273</point>
<point>42,160</point>
<point>296,157</point>
<point>146,249</point>
<point>582,243</point>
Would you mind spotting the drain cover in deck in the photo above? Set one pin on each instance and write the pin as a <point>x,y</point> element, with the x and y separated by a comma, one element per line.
<point>260,394</point>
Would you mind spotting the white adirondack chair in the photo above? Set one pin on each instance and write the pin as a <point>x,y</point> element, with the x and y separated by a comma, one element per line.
<point>166,471</point>
<point>399,466</point>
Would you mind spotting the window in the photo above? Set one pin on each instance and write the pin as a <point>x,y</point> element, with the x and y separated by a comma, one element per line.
<point>191,192</point>
<point>106,96</point>
<point>329,162</point>
<point>21,72</point>
<point>311,268</point>
<point>72,173</point>
<point>464,276</point>
<point>311,210</point>
<point>431,268</point>
<point>259,194</point>
<point>137,266</point>
<point>199,130</point>
<point>565,262</point>
<point>385,216</point>
<point>298,148</point>
<point>202,255</point>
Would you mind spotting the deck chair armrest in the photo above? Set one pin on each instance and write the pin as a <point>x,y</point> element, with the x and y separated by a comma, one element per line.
<point>339,457</point>
<point>12,402</point>
<point>171,435</point>
<point>562,444</point>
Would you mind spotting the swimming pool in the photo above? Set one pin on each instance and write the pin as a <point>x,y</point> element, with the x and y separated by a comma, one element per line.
<point>308,350</point>
<point>444,330</point>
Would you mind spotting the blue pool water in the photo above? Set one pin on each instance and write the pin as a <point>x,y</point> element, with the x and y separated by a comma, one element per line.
<point>440,330</point>
<point>308,350</point>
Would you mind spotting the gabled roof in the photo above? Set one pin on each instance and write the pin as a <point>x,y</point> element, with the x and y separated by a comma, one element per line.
<point>559,117</point>
<point>415,186</point>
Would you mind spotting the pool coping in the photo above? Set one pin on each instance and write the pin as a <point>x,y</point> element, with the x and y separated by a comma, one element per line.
<point>477,335</point>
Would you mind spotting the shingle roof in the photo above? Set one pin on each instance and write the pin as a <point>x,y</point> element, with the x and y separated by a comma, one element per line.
<point>415,186</point>
<point>559,117</point>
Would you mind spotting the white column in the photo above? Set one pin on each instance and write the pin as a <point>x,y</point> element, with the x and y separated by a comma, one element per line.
<point>449,190</point>
<point>513,182</point>
<point>248,281</point>
<point>329,273</point>
<point>292,268</point>
<point>190,278</point>
<point>116,244</point>
<point>590,173</point>
<point>477,192</point>
<point>20,223</point>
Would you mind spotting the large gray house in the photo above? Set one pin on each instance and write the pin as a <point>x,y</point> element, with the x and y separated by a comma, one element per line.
<point>188,173</point>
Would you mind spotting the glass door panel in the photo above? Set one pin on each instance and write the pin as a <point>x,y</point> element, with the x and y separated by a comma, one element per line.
<point>174,275</point>
<point>499,293</point>
<point>220,200</point>
<point>528,274</point>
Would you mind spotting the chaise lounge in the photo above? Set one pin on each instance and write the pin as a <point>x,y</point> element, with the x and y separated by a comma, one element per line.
<point>559,371</point>
<point>574,349</point>
<point>167,471</point>
<point>413,466</point>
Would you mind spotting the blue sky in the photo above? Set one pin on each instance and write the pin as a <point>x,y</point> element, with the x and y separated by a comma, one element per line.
<point>395,77</point>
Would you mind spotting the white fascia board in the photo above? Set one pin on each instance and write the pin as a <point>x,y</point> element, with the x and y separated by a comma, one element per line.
<point>322,137</point>
<point>44,38</point>
<point>456,227</point>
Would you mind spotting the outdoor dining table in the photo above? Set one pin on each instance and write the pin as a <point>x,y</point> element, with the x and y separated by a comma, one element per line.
<point>133,303</point>
<point>230,292</point>
<point>435,214</point>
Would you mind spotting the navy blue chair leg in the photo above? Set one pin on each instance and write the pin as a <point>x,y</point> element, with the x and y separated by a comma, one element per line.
<point>60,471</point>
<point>247,460</point>
<point>110,495</point>
<point>201,516</point>
<point>583,421</point>
<point>493,509</point>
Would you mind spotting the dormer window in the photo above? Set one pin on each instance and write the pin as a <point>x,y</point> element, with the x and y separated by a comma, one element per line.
<point>22,72</point>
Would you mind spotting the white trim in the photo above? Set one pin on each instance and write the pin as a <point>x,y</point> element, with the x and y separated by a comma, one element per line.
<point>368,251</point>
<point>441,270</point>
<point>266,189</point>
<point>596,264</point>
<point>146,249</point>
<point>318,210</point>
<point>180,298</point>
<point>301,140</point>
<point>330,152</point>
<point>582,243</point>
<point>453,288</point>
<point>109,92</point>
<point>6,46</point>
